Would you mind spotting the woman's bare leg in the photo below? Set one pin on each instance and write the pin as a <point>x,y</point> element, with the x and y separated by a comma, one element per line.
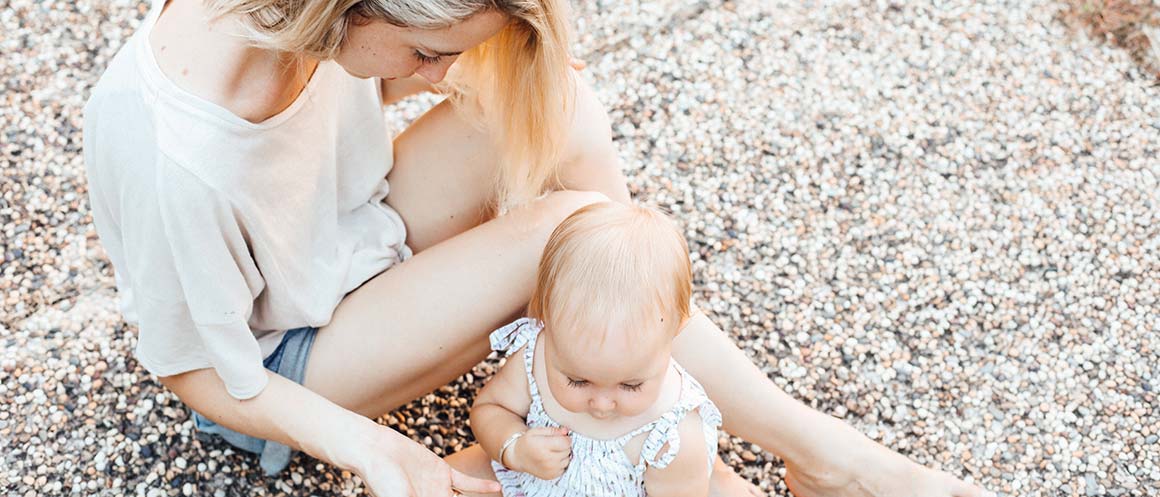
<point>810,442</point>
<point>423,323</point>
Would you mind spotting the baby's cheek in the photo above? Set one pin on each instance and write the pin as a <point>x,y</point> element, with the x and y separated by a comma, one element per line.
<point>569,398</point>
<point>574,403</point>
<point>636,404</point>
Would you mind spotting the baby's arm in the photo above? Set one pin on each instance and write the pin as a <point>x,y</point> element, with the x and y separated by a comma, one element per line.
<point>501,406</point>
<point>500,411</point>
<point>688,474</point>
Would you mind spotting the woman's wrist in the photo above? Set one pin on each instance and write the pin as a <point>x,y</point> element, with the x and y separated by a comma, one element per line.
<point>358,443</point>
<point>343,440</point>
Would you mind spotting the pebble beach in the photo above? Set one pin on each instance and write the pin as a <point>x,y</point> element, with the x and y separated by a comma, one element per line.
<point>937,221</point>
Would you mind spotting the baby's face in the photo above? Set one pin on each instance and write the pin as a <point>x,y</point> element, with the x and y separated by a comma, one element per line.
<point>620,377</point>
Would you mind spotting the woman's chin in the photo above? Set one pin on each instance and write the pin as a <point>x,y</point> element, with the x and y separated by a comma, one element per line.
<point>354,73</point>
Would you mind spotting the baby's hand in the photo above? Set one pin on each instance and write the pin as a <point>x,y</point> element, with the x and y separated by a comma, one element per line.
<point>541,452</point>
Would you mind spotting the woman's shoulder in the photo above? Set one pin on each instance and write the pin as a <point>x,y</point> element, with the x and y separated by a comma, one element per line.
<point>210,59</point>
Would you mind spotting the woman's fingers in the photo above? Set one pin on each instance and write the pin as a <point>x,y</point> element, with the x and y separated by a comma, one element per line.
<point>961,488</point>
<point>465,483</point>
<point>413,471</point>
<point>434,481</point>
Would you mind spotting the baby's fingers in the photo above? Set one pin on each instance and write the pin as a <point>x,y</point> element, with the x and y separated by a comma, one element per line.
<point>562,465</point>
<point>560,444</point>
<point>556,469</point>
<point>546,431</point>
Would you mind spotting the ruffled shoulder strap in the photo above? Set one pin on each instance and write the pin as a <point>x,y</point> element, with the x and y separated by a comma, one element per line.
<point>515,335</point>
<point>521,333</point>
<point>664,440</point>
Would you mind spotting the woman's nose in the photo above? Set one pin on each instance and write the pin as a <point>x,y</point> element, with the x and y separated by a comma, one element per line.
<point>435,73</point>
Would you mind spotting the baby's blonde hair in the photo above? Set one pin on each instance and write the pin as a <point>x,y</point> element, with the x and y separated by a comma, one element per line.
<point>519,84</point>
<point>614,264</point>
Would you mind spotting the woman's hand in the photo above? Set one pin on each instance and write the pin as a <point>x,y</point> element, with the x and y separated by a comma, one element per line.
<point>392,465</point>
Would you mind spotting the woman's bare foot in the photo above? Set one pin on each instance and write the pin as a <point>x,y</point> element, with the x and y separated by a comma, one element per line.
<point>878,472</point>
<point>724,482</point>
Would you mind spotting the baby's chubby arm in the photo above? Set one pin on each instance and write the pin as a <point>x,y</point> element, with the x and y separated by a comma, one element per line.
<point>688,474</point>
<point>500,411</point>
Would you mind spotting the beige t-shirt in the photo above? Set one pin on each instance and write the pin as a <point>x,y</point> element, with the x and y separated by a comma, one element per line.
<point>223,233</point>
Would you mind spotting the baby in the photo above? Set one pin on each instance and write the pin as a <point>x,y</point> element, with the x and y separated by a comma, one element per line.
<point>590,401</point>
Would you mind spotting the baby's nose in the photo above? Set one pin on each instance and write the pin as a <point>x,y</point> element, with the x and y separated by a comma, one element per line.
<point>602,403</point>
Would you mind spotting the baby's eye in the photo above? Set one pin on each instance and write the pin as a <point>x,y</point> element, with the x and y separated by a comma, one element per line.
<point>577,383</point>
<point>427,59</point>
<point>631,388</point>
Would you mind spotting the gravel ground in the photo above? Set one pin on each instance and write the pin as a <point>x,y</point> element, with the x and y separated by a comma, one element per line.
<point>938,222</point>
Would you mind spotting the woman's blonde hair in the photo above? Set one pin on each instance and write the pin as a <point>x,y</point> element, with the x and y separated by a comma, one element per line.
<point>519,83</point>
<point>614,264</point>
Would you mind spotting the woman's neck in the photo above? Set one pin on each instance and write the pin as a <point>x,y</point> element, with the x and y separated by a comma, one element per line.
<point>212,59</point>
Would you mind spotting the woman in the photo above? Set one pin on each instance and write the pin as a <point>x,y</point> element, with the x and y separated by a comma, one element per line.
<point>238,168</point>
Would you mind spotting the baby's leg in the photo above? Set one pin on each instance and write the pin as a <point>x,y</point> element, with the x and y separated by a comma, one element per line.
<point>472,461</point>
<point>685,472</point>
<point>725,482</point>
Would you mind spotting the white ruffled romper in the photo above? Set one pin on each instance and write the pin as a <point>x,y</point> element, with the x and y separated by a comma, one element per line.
<point>600,468</point>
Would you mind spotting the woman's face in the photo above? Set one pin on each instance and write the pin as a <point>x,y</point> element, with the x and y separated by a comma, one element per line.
<point>378,49</point>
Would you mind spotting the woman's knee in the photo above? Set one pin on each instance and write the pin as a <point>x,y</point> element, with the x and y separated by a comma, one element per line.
<point>573,200</point>
<point>545,213</point>
<point>561,204</point>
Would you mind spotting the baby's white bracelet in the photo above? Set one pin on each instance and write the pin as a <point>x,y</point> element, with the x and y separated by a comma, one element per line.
<point>507,444</point>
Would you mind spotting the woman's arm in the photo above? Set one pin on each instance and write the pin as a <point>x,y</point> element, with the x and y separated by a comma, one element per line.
<point>286,412</point>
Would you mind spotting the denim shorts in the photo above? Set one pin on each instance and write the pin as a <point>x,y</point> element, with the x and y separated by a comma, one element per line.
<point>288,360</point>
